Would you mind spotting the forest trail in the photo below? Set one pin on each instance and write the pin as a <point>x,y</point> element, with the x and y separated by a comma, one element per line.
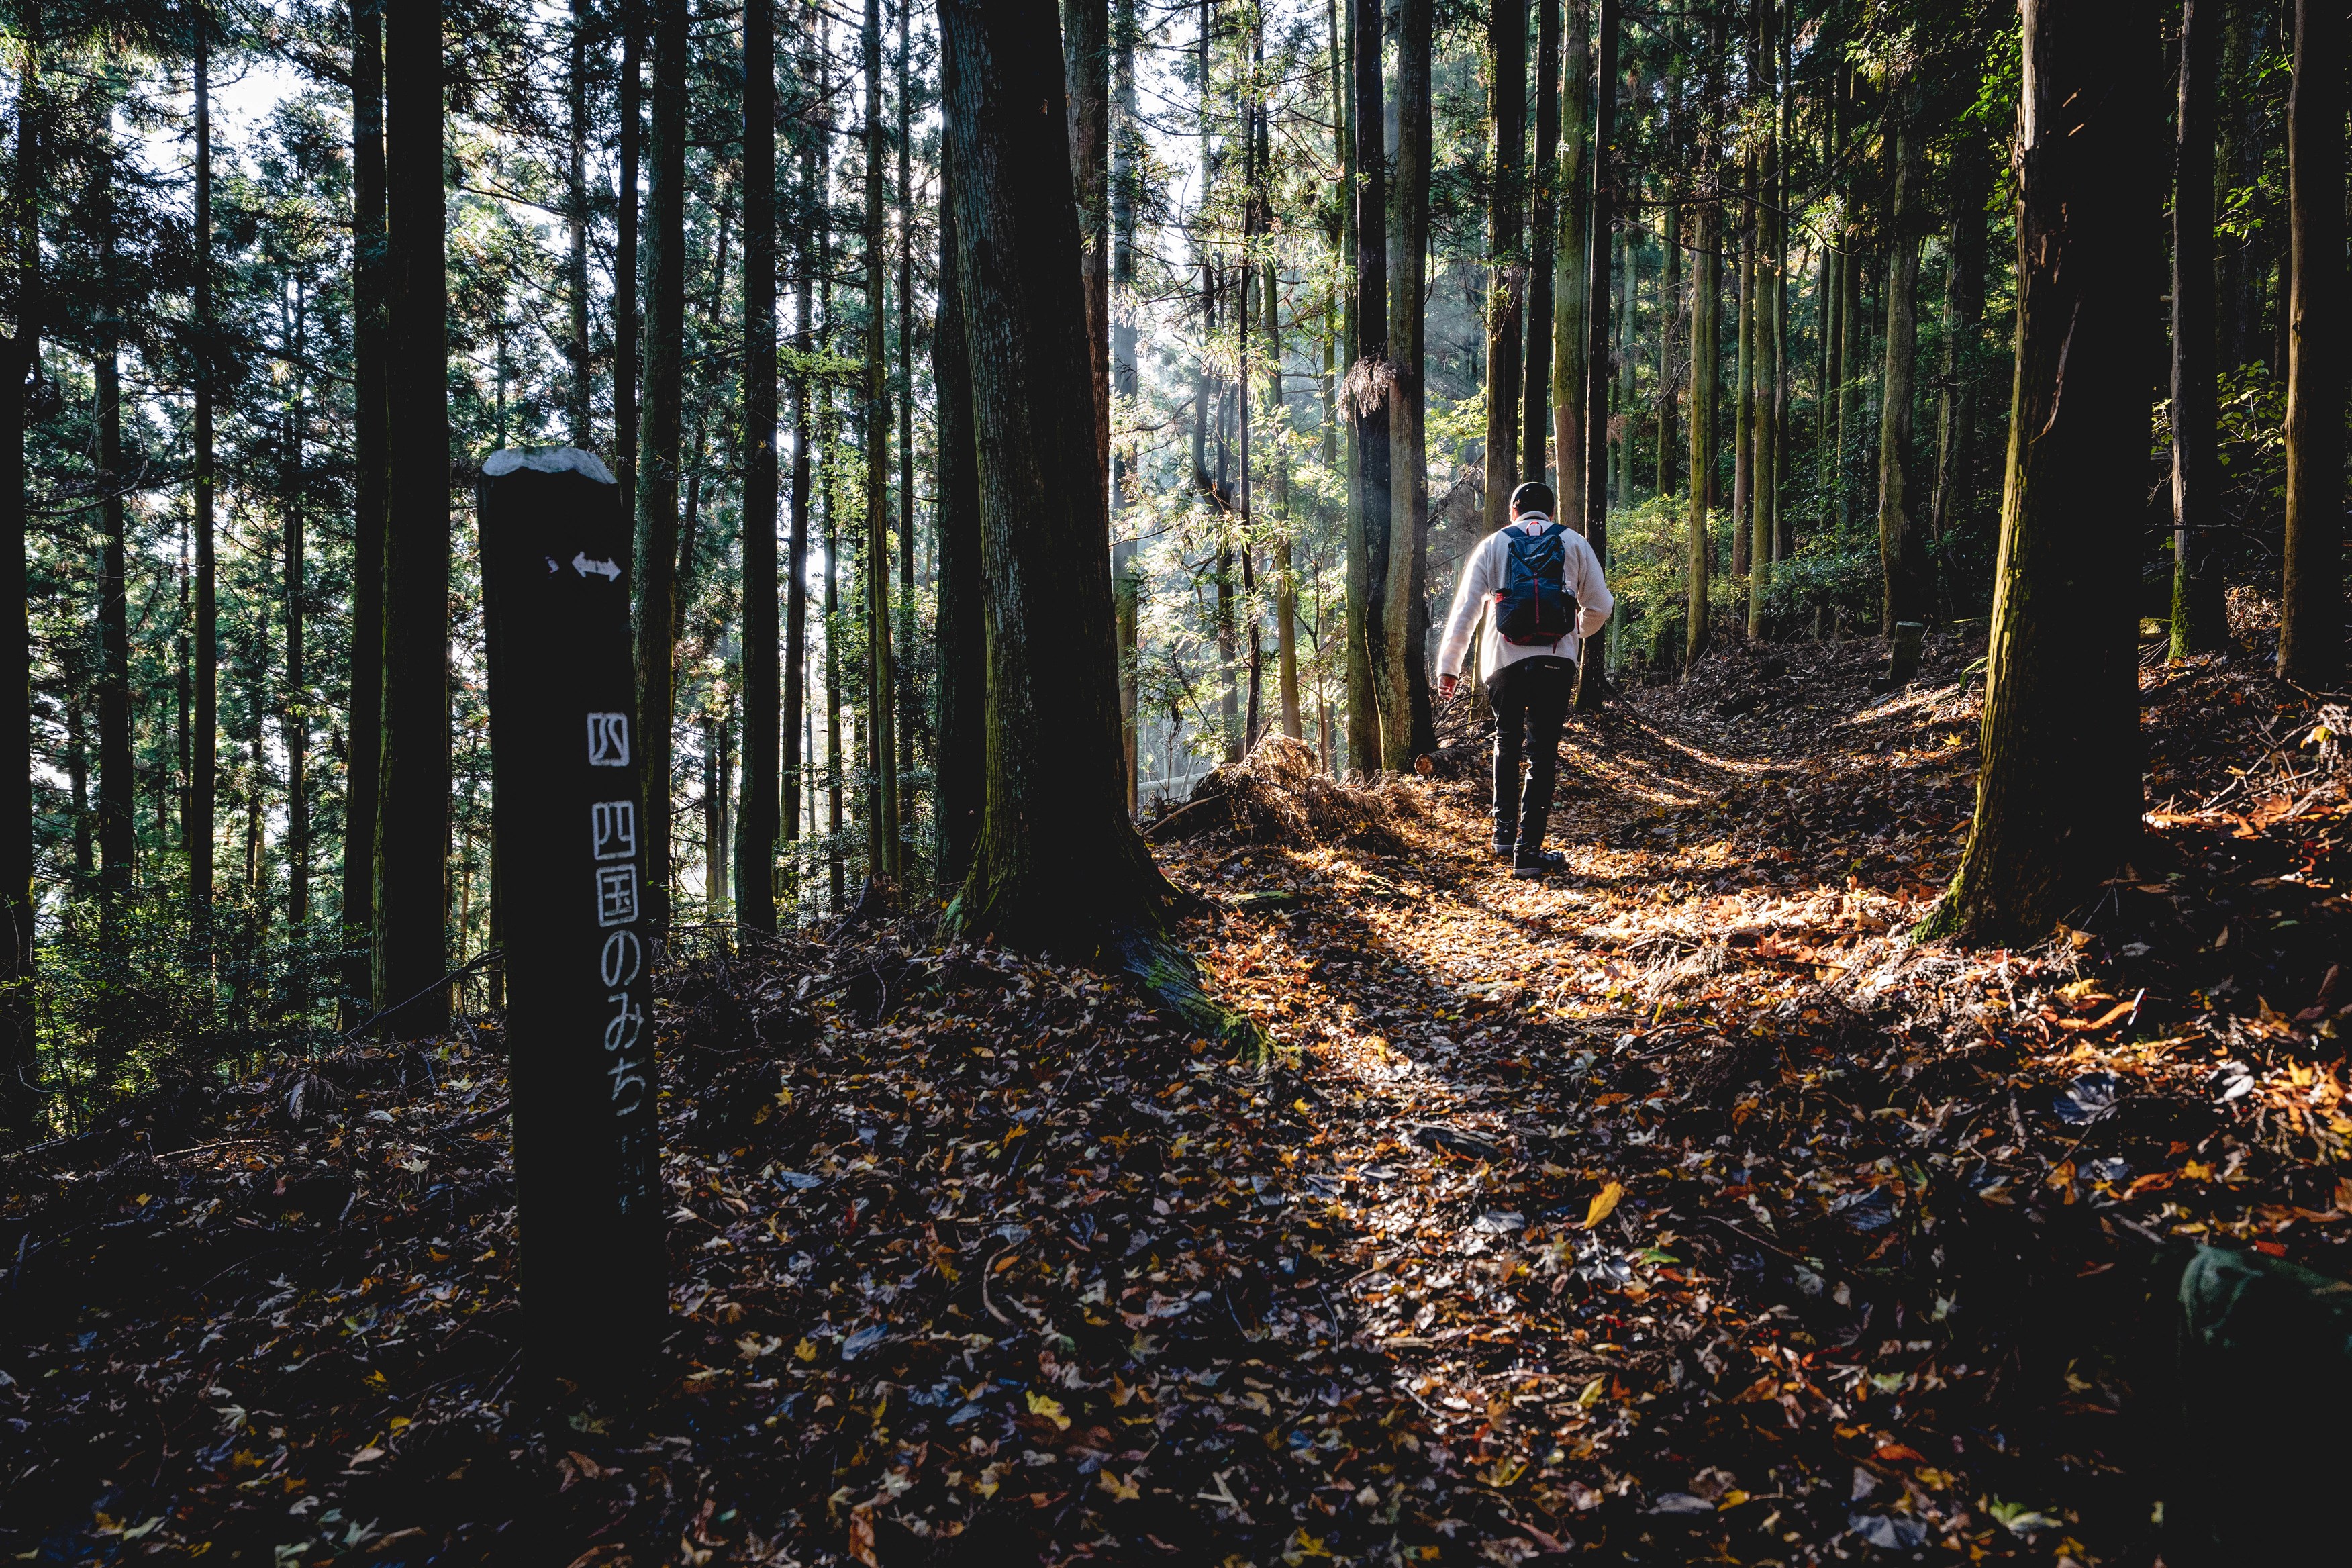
<point>1676,1208</point>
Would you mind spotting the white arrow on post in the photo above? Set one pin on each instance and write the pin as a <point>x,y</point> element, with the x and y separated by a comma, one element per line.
<point>582,564</point>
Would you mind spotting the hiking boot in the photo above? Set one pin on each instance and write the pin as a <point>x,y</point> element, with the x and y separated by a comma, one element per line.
<point>1529,864</point>
<point>1504,848</point>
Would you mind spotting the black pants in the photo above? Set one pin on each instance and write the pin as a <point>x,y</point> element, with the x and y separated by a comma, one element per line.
<point>1531,699</point>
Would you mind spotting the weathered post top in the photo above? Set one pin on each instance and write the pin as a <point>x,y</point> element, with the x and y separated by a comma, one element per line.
<point>565,812</point>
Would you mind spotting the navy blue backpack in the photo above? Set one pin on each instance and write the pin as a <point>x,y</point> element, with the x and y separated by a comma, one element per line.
<point>1534,606</point>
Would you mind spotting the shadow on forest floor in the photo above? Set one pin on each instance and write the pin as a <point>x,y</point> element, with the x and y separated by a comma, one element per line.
<point>1677,1208</point>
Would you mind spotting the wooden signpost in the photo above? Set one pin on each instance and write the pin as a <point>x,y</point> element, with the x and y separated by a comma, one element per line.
<point>566,812</point>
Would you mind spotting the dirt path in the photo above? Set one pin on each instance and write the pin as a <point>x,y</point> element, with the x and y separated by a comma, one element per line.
<point>1675,1209</point>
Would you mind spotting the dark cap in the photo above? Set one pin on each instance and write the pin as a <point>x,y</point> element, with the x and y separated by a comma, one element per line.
<point>1534,495</point>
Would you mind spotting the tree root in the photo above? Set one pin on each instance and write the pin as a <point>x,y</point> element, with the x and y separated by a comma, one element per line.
<point>1171,981</point>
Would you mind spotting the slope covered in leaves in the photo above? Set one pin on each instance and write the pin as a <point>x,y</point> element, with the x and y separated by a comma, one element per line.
<point>1679,1208</point>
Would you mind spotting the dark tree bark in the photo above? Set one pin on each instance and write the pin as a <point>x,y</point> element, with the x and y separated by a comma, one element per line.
<point>294,710</point>
<point>1059,863</point>
<point>1367,398</point>
<point>1707,363</point>
<point>626,303</point>
<point>1127,582</point>
<point>1535,402</point>
<point>1963,325</point>
<point>204,774</point>
<point>796,597</point>
<point>412,938</point>
<point>1670,335</point>
<point>1599,243</point>
<point>962,792</point>
<point>756,821</point>
<point>2061,696</point>
<point>116,833</point>
<point>1507,43</point>
<point>907,710</point>
<point>1571,280</point>
<point>371,480</point>
<point>2198,623</point>
<point>1408,493</point>
<point>881,751</point>
<point>1743,372</point>
<point>1907,583</point>
<point>575,223</point>
<point>1085,44</point>
<point>20,1092</point>
<point>654,566</point>
<point>2311,597</point>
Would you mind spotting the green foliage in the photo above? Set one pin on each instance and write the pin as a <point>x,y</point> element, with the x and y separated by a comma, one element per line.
<point>155,993</point>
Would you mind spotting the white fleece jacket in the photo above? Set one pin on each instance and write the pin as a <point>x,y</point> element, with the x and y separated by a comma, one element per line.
<point>1483,576</point>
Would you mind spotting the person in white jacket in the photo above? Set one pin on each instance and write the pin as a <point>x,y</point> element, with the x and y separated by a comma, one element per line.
<point>1542,588</point>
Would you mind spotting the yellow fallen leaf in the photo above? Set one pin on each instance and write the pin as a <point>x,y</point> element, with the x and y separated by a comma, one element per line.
<point>1604,1204</point>
<point>1125,1492</point>
<point>805,1351</point>
<point>1049,1408</point>
<point>1591,1394</point>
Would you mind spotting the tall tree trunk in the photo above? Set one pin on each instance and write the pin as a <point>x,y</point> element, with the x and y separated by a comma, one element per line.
<point>20,1093</point>
<point>1629,275</point>
<point>1743,374</point>
<point>2199,622</point>
<point>756,820</point>
<point>963,614</point>
<point>1765,414</point>
<point>296,708</point>
<point>1506,42</point>
<point>881,751</point>
<point>370,481</point>
<point>655,548</point>
<point>795,675</point>
<point>1368,398</point>
<point>1707,368</point>
<point>1906,576</point>
<point>203,779</point>
<point>2311,597</point>
<point>1599,242</point>
<point>1670,318</point>
<point>626,301</point>
<point>1571,279</point>
<point>908,702</point>
<point>2061,698</point>
<point>1059,863</point>
<point>1855,352</point>
<point>412,858</point>
<point>1127,579</point>
<point>1409,491</point>
<point>1085,44</point>
<point>583,389</point>
<point>1535,402</point>
<point>1956,420</point>
<point>1285,577</point>
<point>116,832</point>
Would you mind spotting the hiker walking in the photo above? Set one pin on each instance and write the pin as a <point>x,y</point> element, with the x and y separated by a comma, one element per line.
<point>1542,586</point>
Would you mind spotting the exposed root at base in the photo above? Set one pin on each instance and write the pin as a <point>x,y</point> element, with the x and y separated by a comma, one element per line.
<point>1171,981</point>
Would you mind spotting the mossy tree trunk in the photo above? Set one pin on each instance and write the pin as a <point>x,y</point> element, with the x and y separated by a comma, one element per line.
<point>2058,797</point>
<point>2311,597</point>
<point>1408,484</point>
<point>1057,865</point>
